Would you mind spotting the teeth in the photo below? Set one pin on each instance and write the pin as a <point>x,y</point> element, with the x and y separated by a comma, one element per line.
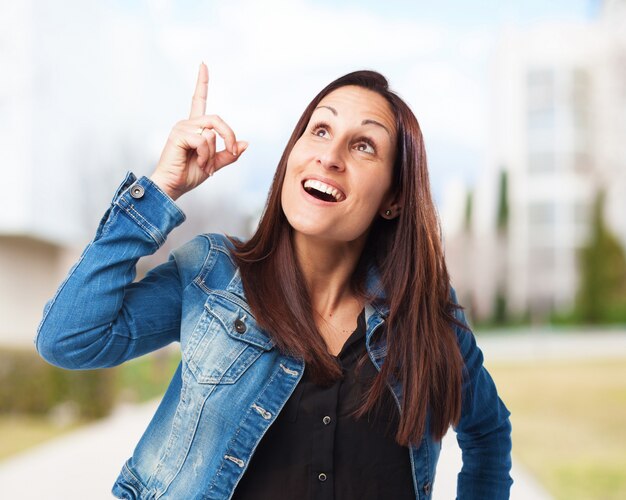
<point>324,188</point>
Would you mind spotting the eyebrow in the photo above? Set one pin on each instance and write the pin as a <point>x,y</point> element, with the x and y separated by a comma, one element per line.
<point>367,121</point>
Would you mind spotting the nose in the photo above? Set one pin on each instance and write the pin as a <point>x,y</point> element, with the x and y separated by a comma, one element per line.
<point>331,157</point>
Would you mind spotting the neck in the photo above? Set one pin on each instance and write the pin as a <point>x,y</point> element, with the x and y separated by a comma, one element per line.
<point>327,267</point>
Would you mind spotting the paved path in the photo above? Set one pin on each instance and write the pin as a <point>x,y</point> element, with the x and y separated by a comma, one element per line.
<point>84,464</point>
<point>553,344</point>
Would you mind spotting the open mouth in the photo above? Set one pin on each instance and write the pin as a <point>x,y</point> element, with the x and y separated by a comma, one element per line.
<point>322,191</point>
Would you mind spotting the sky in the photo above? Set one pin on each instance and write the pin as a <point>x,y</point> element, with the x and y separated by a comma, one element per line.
<point>268,59</point>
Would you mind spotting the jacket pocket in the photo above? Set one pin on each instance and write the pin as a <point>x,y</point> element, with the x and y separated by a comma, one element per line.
<point>225,342</point>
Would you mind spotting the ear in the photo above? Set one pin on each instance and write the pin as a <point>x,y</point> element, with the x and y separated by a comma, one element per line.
<point>390,208</point>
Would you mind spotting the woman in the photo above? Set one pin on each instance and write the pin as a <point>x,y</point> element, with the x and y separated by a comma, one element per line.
<point>345,276</point>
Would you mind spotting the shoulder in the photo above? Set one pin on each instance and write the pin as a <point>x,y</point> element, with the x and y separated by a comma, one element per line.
<point>203,253</point>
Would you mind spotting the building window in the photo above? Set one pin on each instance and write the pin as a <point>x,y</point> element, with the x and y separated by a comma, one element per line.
<point>540,162</point>
<point>542,214</point>
<point>540,87</point>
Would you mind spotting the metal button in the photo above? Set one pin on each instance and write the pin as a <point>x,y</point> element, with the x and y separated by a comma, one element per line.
<point>326,420</point>
<point>427,488</point>
<point>136,191</point>
<point>240,326</point>
<point>322,477</point>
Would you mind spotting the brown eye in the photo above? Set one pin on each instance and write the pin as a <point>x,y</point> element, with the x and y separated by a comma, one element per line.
<point>320,128</point>
<point>366,146</point>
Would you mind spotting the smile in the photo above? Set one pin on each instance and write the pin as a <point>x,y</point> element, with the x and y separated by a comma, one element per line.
<point>323,191</point>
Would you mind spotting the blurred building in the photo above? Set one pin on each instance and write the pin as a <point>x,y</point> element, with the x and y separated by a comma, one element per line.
<point>558,127</point>
<point>77,111</point>
<point>40,222</point>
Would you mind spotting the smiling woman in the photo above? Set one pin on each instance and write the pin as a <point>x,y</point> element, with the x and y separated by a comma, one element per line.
<point>325,349</point>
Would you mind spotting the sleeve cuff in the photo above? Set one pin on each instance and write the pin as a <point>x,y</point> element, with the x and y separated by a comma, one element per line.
<point>149,206</point>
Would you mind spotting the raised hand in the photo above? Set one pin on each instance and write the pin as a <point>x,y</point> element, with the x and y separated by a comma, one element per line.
<point>189,156</point>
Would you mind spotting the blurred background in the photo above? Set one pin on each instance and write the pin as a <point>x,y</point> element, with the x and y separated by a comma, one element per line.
<point>523,109</point>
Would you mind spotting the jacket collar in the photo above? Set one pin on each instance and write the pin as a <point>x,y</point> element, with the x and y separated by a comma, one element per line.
<point>374,287</point>
<point>236,286</point>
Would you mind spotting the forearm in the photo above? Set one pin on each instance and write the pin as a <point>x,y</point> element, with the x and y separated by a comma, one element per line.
<point>91,322</point>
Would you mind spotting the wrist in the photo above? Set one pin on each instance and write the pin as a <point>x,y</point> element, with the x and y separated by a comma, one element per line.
<point>160,182</point>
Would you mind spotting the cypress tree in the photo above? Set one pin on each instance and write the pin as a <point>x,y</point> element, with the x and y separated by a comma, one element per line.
<point>602,291</point>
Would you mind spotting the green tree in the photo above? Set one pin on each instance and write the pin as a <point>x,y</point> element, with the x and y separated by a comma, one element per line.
<point>502,220</point>
<point>602,292</point>
<point>500,312</point>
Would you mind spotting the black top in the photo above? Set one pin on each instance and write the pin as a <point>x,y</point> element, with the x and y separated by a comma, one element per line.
<point>315,450</point>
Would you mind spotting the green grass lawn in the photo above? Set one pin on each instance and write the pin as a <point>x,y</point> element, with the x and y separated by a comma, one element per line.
<point>569,424</point>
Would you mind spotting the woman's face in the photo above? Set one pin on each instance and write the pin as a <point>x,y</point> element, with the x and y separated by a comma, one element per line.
<point>339,172</point>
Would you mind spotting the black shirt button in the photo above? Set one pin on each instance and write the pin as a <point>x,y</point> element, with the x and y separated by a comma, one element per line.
<point>326,420</point>
<point>322,477</point>
<point>136,191</point>
<point>240,326</point>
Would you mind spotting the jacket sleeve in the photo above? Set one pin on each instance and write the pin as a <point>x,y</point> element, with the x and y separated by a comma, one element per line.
<point>484,430</point>
<point>98,317</point>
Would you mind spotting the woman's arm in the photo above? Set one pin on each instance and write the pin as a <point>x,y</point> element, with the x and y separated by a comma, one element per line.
<point>98,316</point>
<point>484,431</point>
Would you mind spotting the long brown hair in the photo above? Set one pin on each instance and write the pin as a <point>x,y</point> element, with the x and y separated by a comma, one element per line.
<point>422,349</point>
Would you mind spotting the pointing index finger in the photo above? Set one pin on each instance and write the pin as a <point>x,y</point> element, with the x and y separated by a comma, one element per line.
<point>198,102</point>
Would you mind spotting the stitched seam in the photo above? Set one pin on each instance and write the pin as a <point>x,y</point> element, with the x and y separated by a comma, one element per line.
<point>200,269</point>
<point>140,220</point>
<point>107,224</point>
<point>132,478</point>
<point>150,228</point>
<point>231,297</point>
<point>235,437</point>
<point>220,247</point>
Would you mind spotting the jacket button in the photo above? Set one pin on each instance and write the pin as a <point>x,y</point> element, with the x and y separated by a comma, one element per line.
<point>322,477</point>
<point>326,420</point>
<point>427,488</point>
<point>240,326</point>
<point>136,191</point>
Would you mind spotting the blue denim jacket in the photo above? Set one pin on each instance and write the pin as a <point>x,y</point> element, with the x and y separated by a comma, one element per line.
<point>232,382</point>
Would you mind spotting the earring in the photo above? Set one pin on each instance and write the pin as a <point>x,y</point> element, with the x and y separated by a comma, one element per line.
<point>388,212</point>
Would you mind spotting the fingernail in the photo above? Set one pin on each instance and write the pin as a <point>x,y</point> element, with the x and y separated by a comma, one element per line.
<point>235,149</point>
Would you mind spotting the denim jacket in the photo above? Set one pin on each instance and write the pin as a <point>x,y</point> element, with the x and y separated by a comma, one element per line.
<point>232,382</point>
